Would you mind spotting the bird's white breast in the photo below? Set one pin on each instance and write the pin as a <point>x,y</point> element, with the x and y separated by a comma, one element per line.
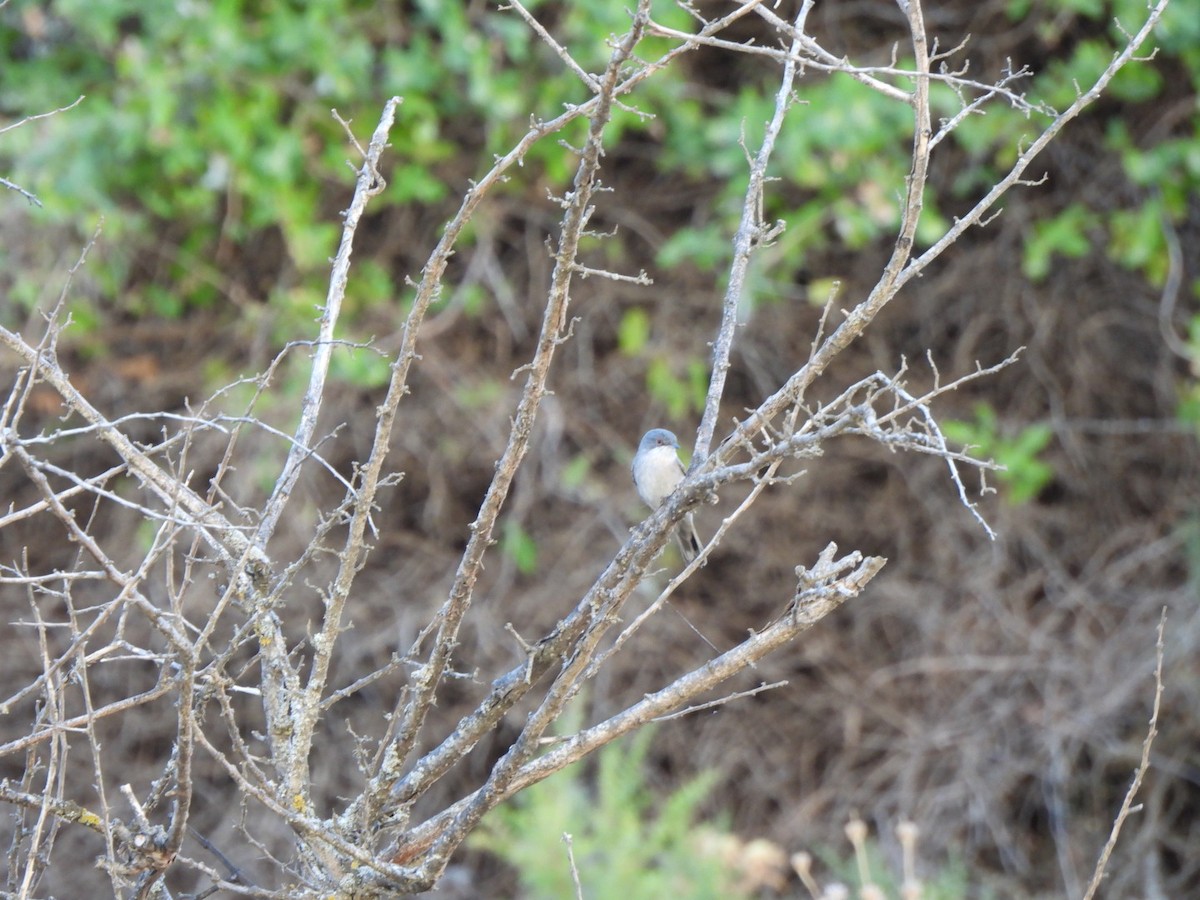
<point>658,474</point>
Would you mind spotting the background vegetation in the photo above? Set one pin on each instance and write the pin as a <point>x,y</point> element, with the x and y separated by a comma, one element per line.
<point>995,692</point>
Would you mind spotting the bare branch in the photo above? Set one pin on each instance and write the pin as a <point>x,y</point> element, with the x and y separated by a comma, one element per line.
<point>750,234</point>
<point>369,184</point>
<point>554,320</point>
<point>819,591</point>
<point>1142,769</point>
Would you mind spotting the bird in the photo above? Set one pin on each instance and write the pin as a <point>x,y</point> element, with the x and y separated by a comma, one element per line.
<point>657,471</point>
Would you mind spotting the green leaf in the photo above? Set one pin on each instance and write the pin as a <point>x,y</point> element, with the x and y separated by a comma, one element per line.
<point>1137,242</point>
<point>698,378</point>
<point>575,472</point>
<point>360,366</point>
<point>479,394</point>
<point>517,544</point>
<point>667,389</point>
<point>1064,234</point>
<point>633,333</point>
<point>1024,475</point>
<point>821,290</point>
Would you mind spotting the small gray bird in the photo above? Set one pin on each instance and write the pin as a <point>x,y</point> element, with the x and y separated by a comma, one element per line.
<point>657,471</point>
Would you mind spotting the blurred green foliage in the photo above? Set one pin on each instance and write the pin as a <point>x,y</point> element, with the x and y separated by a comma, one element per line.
<point>518,545</point>
<point>626,846</point>
<point>1024,474</point>
<point>1063,235</point>
<point>841,160</point>
<point>362,366</point>
<point>677,392</point>
<point>207,126</point>
<point>1163,168</point>
<point>633,332</point>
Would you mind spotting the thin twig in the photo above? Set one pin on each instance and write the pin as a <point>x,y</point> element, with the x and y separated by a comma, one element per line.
<point>1142,769</point>
<point>571,861</point>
